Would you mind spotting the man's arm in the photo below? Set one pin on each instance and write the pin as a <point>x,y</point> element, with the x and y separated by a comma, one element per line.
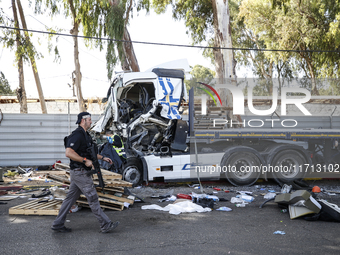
<point>71,154</point>
<point>108,160</point>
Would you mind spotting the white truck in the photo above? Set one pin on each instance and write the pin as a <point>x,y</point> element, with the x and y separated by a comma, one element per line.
<point>144,109</point>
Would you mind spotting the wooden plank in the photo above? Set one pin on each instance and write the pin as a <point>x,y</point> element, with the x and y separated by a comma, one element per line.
<point>56,172</point>
<point>26,204</point>
<point>38,186</point>
<point>61,169</point>
<point>122,198</point>
<point>84,203</point>
<point>118,184</point>
<point>111,189</point>
<point>107,172</point>
<point>112,208</point>
<point>35,208</point>
<point>62,179</point>
<point>104,202</point>
<point>110,175</point>
<point>114,184</point>
<point>63,166</point>
<point>110,183</point>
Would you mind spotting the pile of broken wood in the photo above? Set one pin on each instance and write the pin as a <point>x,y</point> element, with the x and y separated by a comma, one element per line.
<point>112,197</point>
<point>115,196</point>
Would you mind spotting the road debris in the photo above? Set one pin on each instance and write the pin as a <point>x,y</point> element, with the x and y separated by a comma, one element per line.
<point>178,208</point>
<point>278,232</point>
<point>224,208</point>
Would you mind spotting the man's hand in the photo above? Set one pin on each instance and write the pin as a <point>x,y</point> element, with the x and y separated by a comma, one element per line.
<point>88,163</point>
<point>108,160</point>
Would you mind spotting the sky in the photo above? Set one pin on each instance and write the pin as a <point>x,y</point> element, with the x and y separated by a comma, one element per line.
<point>55,77</point>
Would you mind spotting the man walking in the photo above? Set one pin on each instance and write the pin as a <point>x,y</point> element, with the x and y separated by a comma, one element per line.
<point>80,163</point>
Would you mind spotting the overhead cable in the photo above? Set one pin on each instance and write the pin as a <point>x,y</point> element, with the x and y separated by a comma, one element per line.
<point>163,44</point>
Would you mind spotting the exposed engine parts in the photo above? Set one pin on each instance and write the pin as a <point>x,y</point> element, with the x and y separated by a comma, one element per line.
<point>144,112</point>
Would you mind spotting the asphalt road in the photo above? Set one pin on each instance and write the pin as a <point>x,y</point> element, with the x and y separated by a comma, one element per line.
<point>247,230</point>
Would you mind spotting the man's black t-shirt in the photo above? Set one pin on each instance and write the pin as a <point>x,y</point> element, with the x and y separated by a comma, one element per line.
<point>79,141</point>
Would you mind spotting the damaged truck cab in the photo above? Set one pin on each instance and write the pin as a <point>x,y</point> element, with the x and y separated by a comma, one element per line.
<point>143,108</point>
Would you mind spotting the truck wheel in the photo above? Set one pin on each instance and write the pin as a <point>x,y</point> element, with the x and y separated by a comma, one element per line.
<point>288,165</point>
<point>132,172</point>
<point>240,168</point>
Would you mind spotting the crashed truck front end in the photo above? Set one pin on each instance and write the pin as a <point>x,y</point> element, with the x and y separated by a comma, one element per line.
<point>144,109</point>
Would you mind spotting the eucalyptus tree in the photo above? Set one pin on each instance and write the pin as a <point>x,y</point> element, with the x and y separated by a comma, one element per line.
<point>302,25</point>
<point>31,54</point>
<point>5,89</point>
<point>98,19</point>
<point>209,22</point>
<point>21,92</point>
<point>274,70</point>
<point>199,74</point>
<point>71,9</point>
<point>110,18</point>
<point>24,51</point>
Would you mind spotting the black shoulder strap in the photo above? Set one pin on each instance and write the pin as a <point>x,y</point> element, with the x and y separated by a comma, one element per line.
<point>81,130</point>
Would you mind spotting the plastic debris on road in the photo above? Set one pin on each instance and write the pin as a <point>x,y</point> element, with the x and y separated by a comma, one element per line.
<point>241,205</point>
<point>224,208</point>
<point>278,232</point>
<point>235,200</point>
<point>178,208</point>
<point>242,192</point>
<point>172,198</point>
<point>246,198</point>
<point>212,197</point>
<point>269,195</point>
<point>239,202</point>
<point>286,188</point>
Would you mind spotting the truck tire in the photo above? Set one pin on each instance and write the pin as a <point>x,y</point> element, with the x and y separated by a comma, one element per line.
<point>132,172</point>
<point>288,165</point>
<point>238,161</point>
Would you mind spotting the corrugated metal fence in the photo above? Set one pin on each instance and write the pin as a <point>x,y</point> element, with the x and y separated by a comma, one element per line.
<point>38,139</point>
<point>35,139</point>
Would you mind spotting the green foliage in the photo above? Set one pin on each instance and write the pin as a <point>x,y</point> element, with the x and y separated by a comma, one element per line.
<point>5,89</point>
<point>114,29</point>
<point>106,18</point>
<point>271,24</point>
<point>306,25</point>
<point>280,4</point>
<point>199,74</point>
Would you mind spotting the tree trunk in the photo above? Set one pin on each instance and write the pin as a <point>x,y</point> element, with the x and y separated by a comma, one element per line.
<point>315,90</point>
<point>129,60</point>
<point>33,63</point>
<point>21,92</point>
<point>224,59</point>
<point>74,31</point>
<point>130,56</point>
